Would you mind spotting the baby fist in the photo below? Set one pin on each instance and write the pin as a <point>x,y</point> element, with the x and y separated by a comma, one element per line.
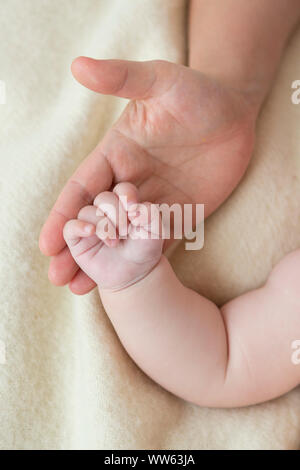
<point>117,241</point>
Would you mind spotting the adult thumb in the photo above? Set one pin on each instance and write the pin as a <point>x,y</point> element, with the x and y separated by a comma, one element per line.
<point>125,78</point>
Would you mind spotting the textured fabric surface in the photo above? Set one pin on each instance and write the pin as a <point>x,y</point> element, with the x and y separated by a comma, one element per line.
<point>67,382</point>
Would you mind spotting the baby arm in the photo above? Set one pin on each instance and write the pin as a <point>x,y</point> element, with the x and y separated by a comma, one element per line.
<point>233,356</point>
<point>238,355</point>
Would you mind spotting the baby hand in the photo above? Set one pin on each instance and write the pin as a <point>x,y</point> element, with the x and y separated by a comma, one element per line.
<point>116,241</point>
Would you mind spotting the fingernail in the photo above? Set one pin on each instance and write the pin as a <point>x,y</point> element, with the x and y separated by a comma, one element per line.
<point>88,228</point>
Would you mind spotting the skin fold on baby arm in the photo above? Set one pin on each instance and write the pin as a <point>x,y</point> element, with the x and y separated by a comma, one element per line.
<point>238,355</point>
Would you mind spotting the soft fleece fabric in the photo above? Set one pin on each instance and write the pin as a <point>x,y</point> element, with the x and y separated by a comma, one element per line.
<point>67,382</point>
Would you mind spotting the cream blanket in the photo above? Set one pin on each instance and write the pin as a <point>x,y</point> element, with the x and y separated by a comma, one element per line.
<point>67,383</point>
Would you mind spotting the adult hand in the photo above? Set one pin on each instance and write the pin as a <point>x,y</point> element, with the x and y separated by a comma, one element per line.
<point>183,137</point>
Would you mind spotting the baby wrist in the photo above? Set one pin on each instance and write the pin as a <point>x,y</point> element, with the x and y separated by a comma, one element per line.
<point>134,281</point>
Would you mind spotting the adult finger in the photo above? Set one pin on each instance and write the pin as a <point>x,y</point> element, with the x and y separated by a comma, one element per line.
<point>81,283</point>
<point>126,78</point>
<point>91,177</point>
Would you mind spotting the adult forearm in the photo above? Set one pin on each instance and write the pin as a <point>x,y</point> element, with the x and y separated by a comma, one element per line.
<point>240,42</point>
